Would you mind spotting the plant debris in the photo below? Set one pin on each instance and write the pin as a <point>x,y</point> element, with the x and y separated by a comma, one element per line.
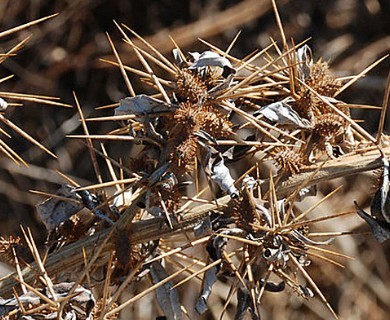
<point>219,151</point>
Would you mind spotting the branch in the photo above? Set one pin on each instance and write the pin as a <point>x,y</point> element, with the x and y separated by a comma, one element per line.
<point>71,256</point>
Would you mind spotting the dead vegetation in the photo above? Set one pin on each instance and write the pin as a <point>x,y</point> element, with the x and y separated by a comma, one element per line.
<point>229,195</point>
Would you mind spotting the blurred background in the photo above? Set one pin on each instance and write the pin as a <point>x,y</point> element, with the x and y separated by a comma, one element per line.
<point>62,57</point>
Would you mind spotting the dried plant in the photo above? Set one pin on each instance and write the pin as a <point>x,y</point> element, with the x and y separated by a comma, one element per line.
<point>176,213</point>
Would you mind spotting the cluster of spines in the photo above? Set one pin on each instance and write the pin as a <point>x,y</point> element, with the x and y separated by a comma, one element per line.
<point>189,86</point>
<point>288,159</point>
<point>243,212</point>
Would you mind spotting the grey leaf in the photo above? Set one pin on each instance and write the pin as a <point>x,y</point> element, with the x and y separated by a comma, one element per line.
<point>305,62</point>
<point>380,206</point>
<point>141,104</point>
<point>300,237</point>
<point>283,114</point>
<point>177,57</point>
<point>305,291</point>
<point>157,174</point>
<point>215,168</point>
<point>53,211</point>
<point>307,192</point>
<point>380,229</point>
<point>279,256</point>
<point>245,305</point>
<point>81,304</point>
<point>91,202</point>
<point>210,277</point>
<point>3,105</point>
<point>167,297</point>
<point>249,182</point>
<point>225,84</point>
<point>220,174</point>
<point>331,99</point>
<point>71,315</point>
<point>263,211</point>
<point>210,59</point>
<point>40,316</point>
<point>203,228</point>
<point>272,286</point>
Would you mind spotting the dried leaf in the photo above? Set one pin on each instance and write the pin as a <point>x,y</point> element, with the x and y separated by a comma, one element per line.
<point>7,305</point>
<point>158,174</point>
<point>279,253</point>
<point>220,174</point>
<point>281,113</point>
<point>123,199</point>
<point>3,105</point>
<point>225,84</point>
<point>141,104</point>
<point>249,182</point>
<point>84,296</point>
<point>273,286</point>
<point>36,316</point>
<point>210,277</point>
<point>167,297</point>
<point>245,305</point>
<point>307,192</point>
<point>210,59</point>
<point>215,246</point>
<point>80,305</point>
<point>53,211</point>
<point>177,57</point>
<point>263,212</point>
<point>92,203</point>
<point>203,228</point>
<point>380,229</point>
<point>305,62</point>
<point>278,256</point>
<point>306,292</point>
<point>380,206</point>
<point>305,240</point>
<point>214,166</point>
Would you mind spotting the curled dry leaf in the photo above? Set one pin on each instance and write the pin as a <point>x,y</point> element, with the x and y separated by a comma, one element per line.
<point>278,256</point>
<point>7,305</point>
<point>380,229</point>
<point>53,211</point>
<point>245,306</point>
<point>305,62</point>
<point>210,277</point>
<point>81,304</point>
<point>167,296</point>
<point>310,191</point>
<point>141,104</point>
<point>203,228</point>
<point>379,220</point>
<point>214,166</point>
<point>380,206</point>
<point>225,84</point>
<point>177,57</point>
<point>3,105</point>
<point>282,114</point>
<point>211,59</point>
<point>216,245</point>
<point>92,203</point>
<point>273,286</point>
